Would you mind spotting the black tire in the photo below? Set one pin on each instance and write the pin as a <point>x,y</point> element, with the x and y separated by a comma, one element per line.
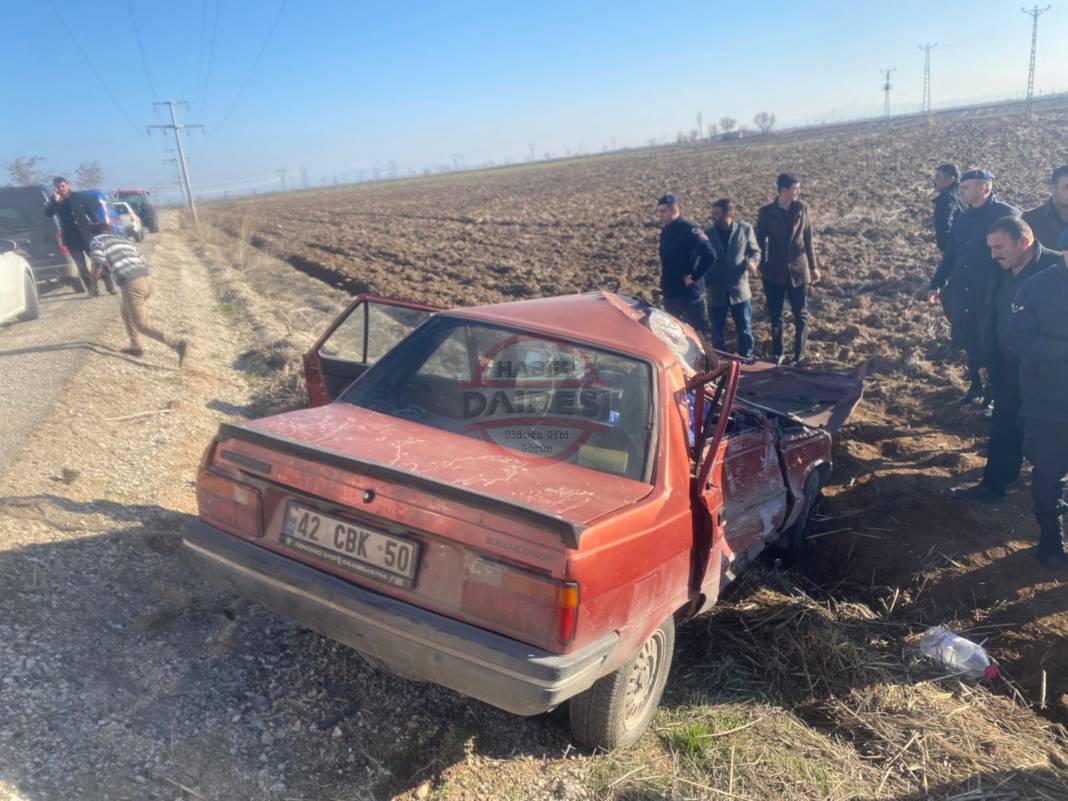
<point>148,217</point>
<point>139,234</point>
<point>617,709</point>
<point>33,308</point>
<point>793,539</point>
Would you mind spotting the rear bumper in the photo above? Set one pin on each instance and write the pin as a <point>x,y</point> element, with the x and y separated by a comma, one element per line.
<point>412,641</point>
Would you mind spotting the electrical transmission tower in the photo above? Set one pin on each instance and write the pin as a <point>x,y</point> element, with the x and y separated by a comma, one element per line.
<point>927,48</point>
<point>887,86</point>
<point>1034,12</point>
<point>178,128</point>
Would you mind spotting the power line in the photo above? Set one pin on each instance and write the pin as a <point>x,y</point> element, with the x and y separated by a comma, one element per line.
<point>200,51</point>
<point>927,48</point>
<point>141,49</point>
<point>1034,13</point>
<point>256,63</point>
<point>211,59</point>
<point>89,64</point>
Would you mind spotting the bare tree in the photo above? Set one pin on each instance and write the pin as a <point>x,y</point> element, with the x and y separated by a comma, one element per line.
<point>765,122</point>
<point>89,175</point>
<point>727,124</point>
<point>695,134</point>
<point>27,171</point>
<point>712,129</point>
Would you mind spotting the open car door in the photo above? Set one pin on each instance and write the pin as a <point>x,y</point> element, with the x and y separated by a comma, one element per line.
<point>360,335</point>
<point>711,396</point>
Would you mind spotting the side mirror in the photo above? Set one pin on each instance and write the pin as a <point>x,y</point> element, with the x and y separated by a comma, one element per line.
<point>7,246</point>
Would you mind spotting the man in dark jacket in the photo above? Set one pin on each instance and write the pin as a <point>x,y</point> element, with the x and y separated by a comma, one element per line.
<point>788,263</point>
<point>76,221</point>
<point>1013,246</point>
<point>1037,334</point>
<point>686,254</point>
<point>946,181</point>
<point>1050,220</point>
<point>969,268</point>
<point>728,281</point>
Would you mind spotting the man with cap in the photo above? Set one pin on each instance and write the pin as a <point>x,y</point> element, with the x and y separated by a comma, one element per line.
<point>1037,334</point>
<point>686,254</point>
<point>969,269</point>
<point>1013,246</point>
<point>737,255</point>
<point>788,263</point>
<point>1050,220</point>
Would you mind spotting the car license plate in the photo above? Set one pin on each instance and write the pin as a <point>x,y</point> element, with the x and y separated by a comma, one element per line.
<point>350,546</point>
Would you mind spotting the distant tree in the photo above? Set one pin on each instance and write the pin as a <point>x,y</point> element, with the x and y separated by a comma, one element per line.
<point>765,122</point>
<point>695,134</point>
<point>712,129</point>
<point>680,137</point>
<point>727,124</point>
<point>27,171</point>
<point>89,175</point>
<point>651,141</point>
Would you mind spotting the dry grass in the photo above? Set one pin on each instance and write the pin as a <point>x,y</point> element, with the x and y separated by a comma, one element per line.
<point>781,695</point>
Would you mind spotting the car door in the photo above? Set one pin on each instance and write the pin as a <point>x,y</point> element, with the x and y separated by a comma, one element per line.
<point>711,396</point>
<point>360,335</point>
<point>10,284</point>
<point>755,500</point>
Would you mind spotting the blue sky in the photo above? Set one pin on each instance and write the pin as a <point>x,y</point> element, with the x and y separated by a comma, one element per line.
<point>343,88</point>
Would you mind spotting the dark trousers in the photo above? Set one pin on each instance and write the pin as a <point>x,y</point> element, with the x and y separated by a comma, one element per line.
<point>1046,447</point>
<point>1004,453</point>
<point>742,313</point>
<point>690,310</point>
<point>970,332</point>
<point>947,309</point>
<point>776,297</point>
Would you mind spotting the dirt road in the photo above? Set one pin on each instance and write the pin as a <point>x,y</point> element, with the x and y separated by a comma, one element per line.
<point>38,358</point>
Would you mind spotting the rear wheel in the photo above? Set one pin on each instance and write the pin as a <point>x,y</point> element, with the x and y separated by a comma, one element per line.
<point>33,309</point>
<point>617,709</point>
<point>148,217</point>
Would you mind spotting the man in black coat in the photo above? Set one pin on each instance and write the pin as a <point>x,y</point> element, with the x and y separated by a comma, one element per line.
<point>76,221</point>
<point>969,268</point>
<point>1050,220</point>
<point>1037,334</point>
<point>686,254</point>
<point>946,181</point>
<point>1013,245</point>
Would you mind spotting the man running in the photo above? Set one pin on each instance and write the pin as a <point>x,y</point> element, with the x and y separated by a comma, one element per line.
<point>129,270</point>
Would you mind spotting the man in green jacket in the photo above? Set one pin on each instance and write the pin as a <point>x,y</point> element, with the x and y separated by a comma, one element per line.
<point>788,263</point>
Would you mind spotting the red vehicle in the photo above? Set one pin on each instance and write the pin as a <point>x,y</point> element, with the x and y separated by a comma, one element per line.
<point>517,501</point>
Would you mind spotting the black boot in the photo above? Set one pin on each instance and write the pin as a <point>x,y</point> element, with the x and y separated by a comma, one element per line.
<point>1050,548</point>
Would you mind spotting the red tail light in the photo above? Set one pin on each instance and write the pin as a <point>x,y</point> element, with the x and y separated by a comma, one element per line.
<point>230,505</point>
<point>63,249</point>
<point>533,607</point>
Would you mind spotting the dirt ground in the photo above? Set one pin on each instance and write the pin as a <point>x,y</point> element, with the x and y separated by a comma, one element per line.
<point>121,679</point>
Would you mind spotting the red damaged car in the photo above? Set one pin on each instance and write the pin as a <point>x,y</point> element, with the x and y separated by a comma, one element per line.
<point>517,501</point>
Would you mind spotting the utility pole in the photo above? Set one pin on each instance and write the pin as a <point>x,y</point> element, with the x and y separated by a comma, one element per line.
<point>887,86</point>
<point>927,48</point>
<point>1035,12</point>
<point>178,128</point>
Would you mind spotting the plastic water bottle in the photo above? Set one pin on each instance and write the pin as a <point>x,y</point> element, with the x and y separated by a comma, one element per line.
<point>955,652</point>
